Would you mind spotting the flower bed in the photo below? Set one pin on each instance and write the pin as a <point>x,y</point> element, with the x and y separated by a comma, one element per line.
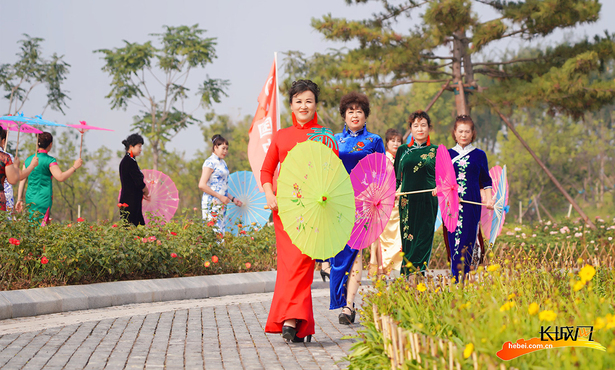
<point>86,252</point>
<point>429,323</point>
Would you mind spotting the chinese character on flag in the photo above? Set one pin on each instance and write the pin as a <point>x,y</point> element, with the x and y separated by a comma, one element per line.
<point>264,124</point>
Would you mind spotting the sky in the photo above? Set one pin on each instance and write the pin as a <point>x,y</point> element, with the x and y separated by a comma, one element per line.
<point>248,32</point>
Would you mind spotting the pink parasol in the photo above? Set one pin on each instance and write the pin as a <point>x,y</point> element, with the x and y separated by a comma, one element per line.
<point>82,127</point>
<point>164,198</point>
<point>447,188</point>
<point>373,182</point>
<point>14,126</point>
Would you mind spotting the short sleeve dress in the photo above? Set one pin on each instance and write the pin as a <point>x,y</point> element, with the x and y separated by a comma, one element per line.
<point>211,206</point>
<point>39,195</point>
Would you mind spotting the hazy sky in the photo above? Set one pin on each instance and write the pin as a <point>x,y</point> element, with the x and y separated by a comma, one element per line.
<point>247,32</point>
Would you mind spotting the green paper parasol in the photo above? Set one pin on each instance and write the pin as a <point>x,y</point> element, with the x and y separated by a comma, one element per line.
<point>316,200</point>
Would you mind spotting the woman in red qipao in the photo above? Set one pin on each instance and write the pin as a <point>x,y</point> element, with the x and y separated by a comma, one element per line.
<point>291,309</point>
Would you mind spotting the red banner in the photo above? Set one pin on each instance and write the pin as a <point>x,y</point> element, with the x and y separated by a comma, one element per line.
<point>264,124</point>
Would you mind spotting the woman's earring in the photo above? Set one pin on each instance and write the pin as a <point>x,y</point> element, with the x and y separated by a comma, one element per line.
<point>131,155</point>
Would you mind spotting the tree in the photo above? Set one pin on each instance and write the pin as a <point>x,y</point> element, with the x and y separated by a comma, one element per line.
<point>135,70</point>
<point>560,78</point>
<point>31,70</point>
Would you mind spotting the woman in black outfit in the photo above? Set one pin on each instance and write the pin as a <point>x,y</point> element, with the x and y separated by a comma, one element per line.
<point>133,187</point>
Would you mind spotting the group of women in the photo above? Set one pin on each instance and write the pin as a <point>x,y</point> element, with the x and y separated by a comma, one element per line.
<point>407,239</point>
<point>38,171</point>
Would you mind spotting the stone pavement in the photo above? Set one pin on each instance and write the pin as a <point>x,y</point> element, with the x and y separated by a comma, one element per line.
<point>213,333</point>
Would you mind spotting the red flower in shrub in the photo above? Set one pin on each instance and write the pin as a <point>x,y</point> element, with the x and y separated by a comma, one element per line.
<point>214,259</point>
<point>69,225</point>
<point>152,238</point>
<point>119,205</point>
<point>173,233</point>
<point>248,265</point>
<point>194,209</point>
<point>14,241</point>
<point>44,260</point>
<point>211,223</point>
<point>252,237</point>
<point>173,255</point>
<point>220,235</point>
<point>239,226</point>
<point>114,225</point>
<point>243,232</point>
<point>206,264</point>
<point>80,219</point>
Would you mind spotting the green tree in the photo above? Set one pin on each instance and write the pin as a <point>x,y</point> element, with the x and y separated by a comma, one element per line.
<point>137,70</point>
<point>562,78</point>
<point>31,70</point>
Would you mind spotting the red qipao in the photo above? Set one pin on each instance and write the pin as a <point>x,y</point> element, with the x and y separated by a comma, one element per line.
<point>292,297</point>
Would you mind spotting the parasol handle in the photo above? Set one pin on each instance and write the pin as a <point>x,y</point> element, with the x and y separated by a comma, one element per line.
<point>470,202</point>
<point>17,144</point>
<point>6,143</point>
<point>81,145</point>
<point>415,192</point>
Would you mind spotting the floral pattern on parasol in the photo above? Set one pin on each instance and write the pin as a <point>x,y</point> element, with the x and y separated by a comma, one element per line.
<point>315,200</point>
<point>164,198</point>
<point>447,188</point>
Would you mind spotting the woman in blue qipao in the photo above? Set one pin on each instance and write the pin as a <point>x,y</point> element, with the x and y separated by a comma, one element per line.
<point>355,143</point>
<point>214,184</point>
<point>472,171</point>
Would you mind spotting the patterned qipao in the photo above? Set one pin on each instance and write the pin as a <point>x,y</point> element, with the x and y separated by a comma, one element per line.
<point>292,297</point>
<point>354,146</point>
<point>6,203</point>
<point>218,182</point>
<point>472,171</point>
<point>415,169</point>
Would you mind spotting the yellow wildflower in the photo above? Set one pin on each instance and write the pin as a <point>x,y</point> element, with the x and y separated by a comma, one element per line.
<point>467,352</point>
<point>578,285</point>
<point>507,306</point>
<point>610,321</point>
<point>547,315</point>
<point>533,308</point>
<point>599,323</point>
<point>421,287</point>
<point>587,273</point>
<point>511,296</point>
<point>493,268</point>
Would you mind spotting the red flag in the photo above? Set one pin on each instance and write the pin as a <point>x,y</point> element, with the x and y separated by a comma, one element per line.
<point>264,124</point>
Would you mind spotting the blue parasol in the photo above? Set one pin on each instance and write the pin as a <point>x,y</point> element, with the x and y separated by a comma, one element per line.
<point>38,120</point>
<point>500,208</point>
<point>242,185</point>
<point>20,120</point>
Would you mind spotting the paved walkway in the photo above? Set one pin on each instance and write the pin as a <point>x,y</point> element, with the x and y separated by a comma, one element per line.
<point>213,333</point>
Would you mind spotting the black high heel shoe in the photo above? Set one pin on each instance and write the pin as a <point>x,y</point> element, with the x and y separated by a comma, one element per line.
<point>290,335</point>
<point>325,274</point>
<point>347,319</point>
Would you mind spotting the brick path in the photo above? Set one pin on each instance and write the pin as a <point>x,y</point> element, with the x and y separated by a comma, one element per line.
<point>214,333</point>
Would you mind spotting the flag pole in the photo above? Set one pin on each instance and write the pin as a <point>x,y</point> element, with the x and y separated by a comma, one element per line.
<point>277,90</point>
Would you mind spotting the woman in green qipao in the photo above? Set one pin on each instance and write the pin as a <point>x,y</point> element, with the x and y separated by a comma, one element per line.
<point>39,195</point>
<point>415,170</point>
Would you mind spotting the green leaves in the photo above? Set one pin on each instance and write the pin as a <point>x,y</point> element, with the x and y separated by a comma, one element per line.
<point>156,77</point>
<point>31,70</point>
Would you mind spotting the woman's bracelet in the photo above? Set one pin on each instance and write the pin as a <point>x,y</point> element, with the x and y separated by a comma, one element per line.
<point>74,169</point>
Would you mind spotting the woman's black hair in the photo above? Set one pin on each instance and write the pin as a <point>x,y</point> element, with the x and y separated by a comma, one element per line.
<point>418,115</point>
<point>2,134</point>
<point>133,140</point>
<point>300,86</point>
<point>391,134</point>
<point>217,140</point>
<point>44,140</point>
<point>354,100</point>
